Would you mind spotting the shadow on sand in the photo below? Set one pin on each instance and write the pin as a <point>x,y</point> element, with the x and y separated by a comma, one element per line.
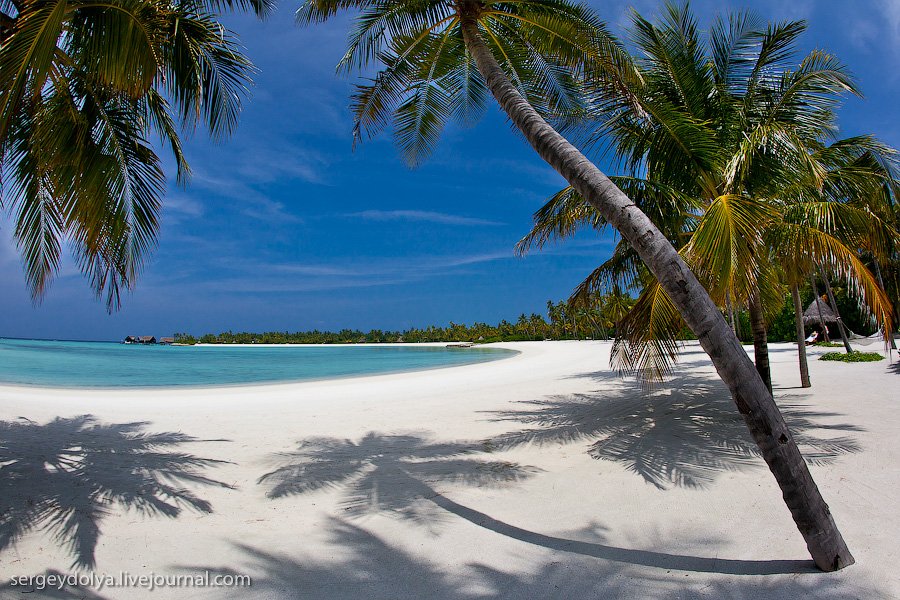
<point>369,567</point>
<point>391,474</point>
<point>67,475</point>
<point>397,475</point>
<point>685,434</point>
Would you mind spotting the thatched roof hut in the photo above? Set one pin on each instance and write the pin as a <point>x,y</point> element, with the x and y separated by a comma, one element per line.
<point>811,315</point>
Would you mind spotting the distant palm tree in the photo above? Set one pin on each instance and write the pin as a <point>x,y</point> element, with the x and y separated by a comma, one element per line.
<point>438,60</point>
<point>832,222</point>
<point>87,85</point>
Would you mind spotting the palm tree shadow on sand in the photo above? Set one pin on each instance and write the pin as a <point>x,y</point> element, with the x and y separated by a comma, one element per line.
<point>390,474</point>
<point>67,475</point>
<point>684,435</point>
<point>398,475</point>
<point>368,566</point>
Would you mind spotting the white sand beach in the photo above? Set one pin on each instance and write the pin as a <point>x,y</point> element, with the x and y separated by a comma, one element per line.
<point>543,475</point>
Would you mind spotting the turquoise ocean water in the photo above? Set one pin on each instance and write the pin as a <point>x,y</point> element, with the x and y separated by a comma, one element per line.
<point>114,365</point>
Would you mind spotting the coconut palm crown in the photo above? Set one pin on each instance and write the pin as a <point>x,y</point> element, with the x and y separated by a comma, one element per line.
<point>87,87</point>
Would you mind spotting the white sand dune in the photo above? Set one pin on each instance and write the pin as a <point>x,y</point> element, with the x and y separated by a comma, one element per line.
<point>539,476</point>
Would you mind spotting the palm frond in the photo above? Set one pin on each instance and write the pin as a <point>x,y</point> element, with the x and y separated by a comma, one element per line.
<point>206,75</point>
<point>468,93</point>
<point>384,20</point>
<point>559,218</point>
<point>733,44</point>
<point>811,246</point>
<point>725,247</point>
<point>777,46</point>
<point>120,39</point>
<point>27,55</point>
<point>647,339</point>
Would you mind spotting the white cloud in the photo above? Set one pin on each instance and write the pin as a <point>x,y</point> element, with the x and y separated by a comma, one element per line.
<point>263,164</point>
<point>182,206</point>
<point>420,216</point>
<point>891,11</point>
<point>254,203</point>
<point>263,276</point>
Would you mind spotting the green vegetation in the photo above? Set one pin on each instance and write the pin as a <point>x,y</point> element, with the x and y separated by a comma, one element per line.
<point>564,322</point>
<point>733,154</point>
<point>781,324</point>
<point>852,357</point>
<point>87,89</point>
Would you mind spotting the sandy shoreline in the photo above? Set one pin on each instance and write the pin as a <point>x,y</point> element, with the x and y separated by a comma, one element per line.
<point>465,482</point>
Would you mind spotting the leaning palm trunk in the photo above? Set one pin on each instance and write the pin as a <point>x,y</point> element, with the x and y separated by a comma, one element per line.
<point>760,342</point>
<point>837,315</point>
<point>801,336</point>
<point>750,394</point>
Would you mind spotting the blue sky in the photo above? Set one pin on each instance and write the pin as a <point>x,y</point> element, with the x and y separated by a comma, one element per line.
<point>283,227</point>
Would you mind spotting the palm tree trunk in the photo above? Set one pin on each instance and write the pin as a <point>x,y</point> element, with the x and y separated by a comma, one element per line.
<point>815,291</point>
<point>730,308</point>
<point>753,400</point>
<point>881,284</point>
<point>760,342</point>
<point>837,315</point>
<point>801,336</point>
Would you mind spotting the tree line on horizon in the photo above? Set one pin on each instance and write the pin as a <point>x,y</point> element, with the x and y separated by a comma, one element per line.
<point>564,320</point>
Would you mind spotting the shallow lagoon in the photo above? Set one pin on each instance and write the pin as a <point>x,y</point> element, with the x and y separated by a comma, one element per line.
<point>115,365</point>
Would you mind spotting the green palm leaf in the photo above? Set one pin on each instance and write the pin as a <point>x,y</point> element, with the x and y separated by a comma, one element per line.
<point>725,247</point>
<point>87,84</point>
<point>647,339</point>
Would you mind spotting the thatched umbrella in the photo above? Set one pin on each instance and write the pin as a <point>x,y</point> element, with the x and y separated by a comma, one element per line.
<point>811,314</point>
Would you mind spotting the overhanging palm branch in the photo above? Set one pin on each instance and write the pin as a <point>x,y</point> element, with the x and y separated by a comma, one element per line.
<point>647,338</point>
<point>428,78</point>
<point>87,85</point>
<point>725,248</point>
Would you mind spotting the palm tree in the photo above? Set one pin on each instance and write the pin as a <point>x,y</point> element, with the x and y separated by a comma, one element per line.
<point>832,221</point>
<point>726,157</point>
<point>87,84</point>
<point>437,60</point>
<point>729,239</point>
